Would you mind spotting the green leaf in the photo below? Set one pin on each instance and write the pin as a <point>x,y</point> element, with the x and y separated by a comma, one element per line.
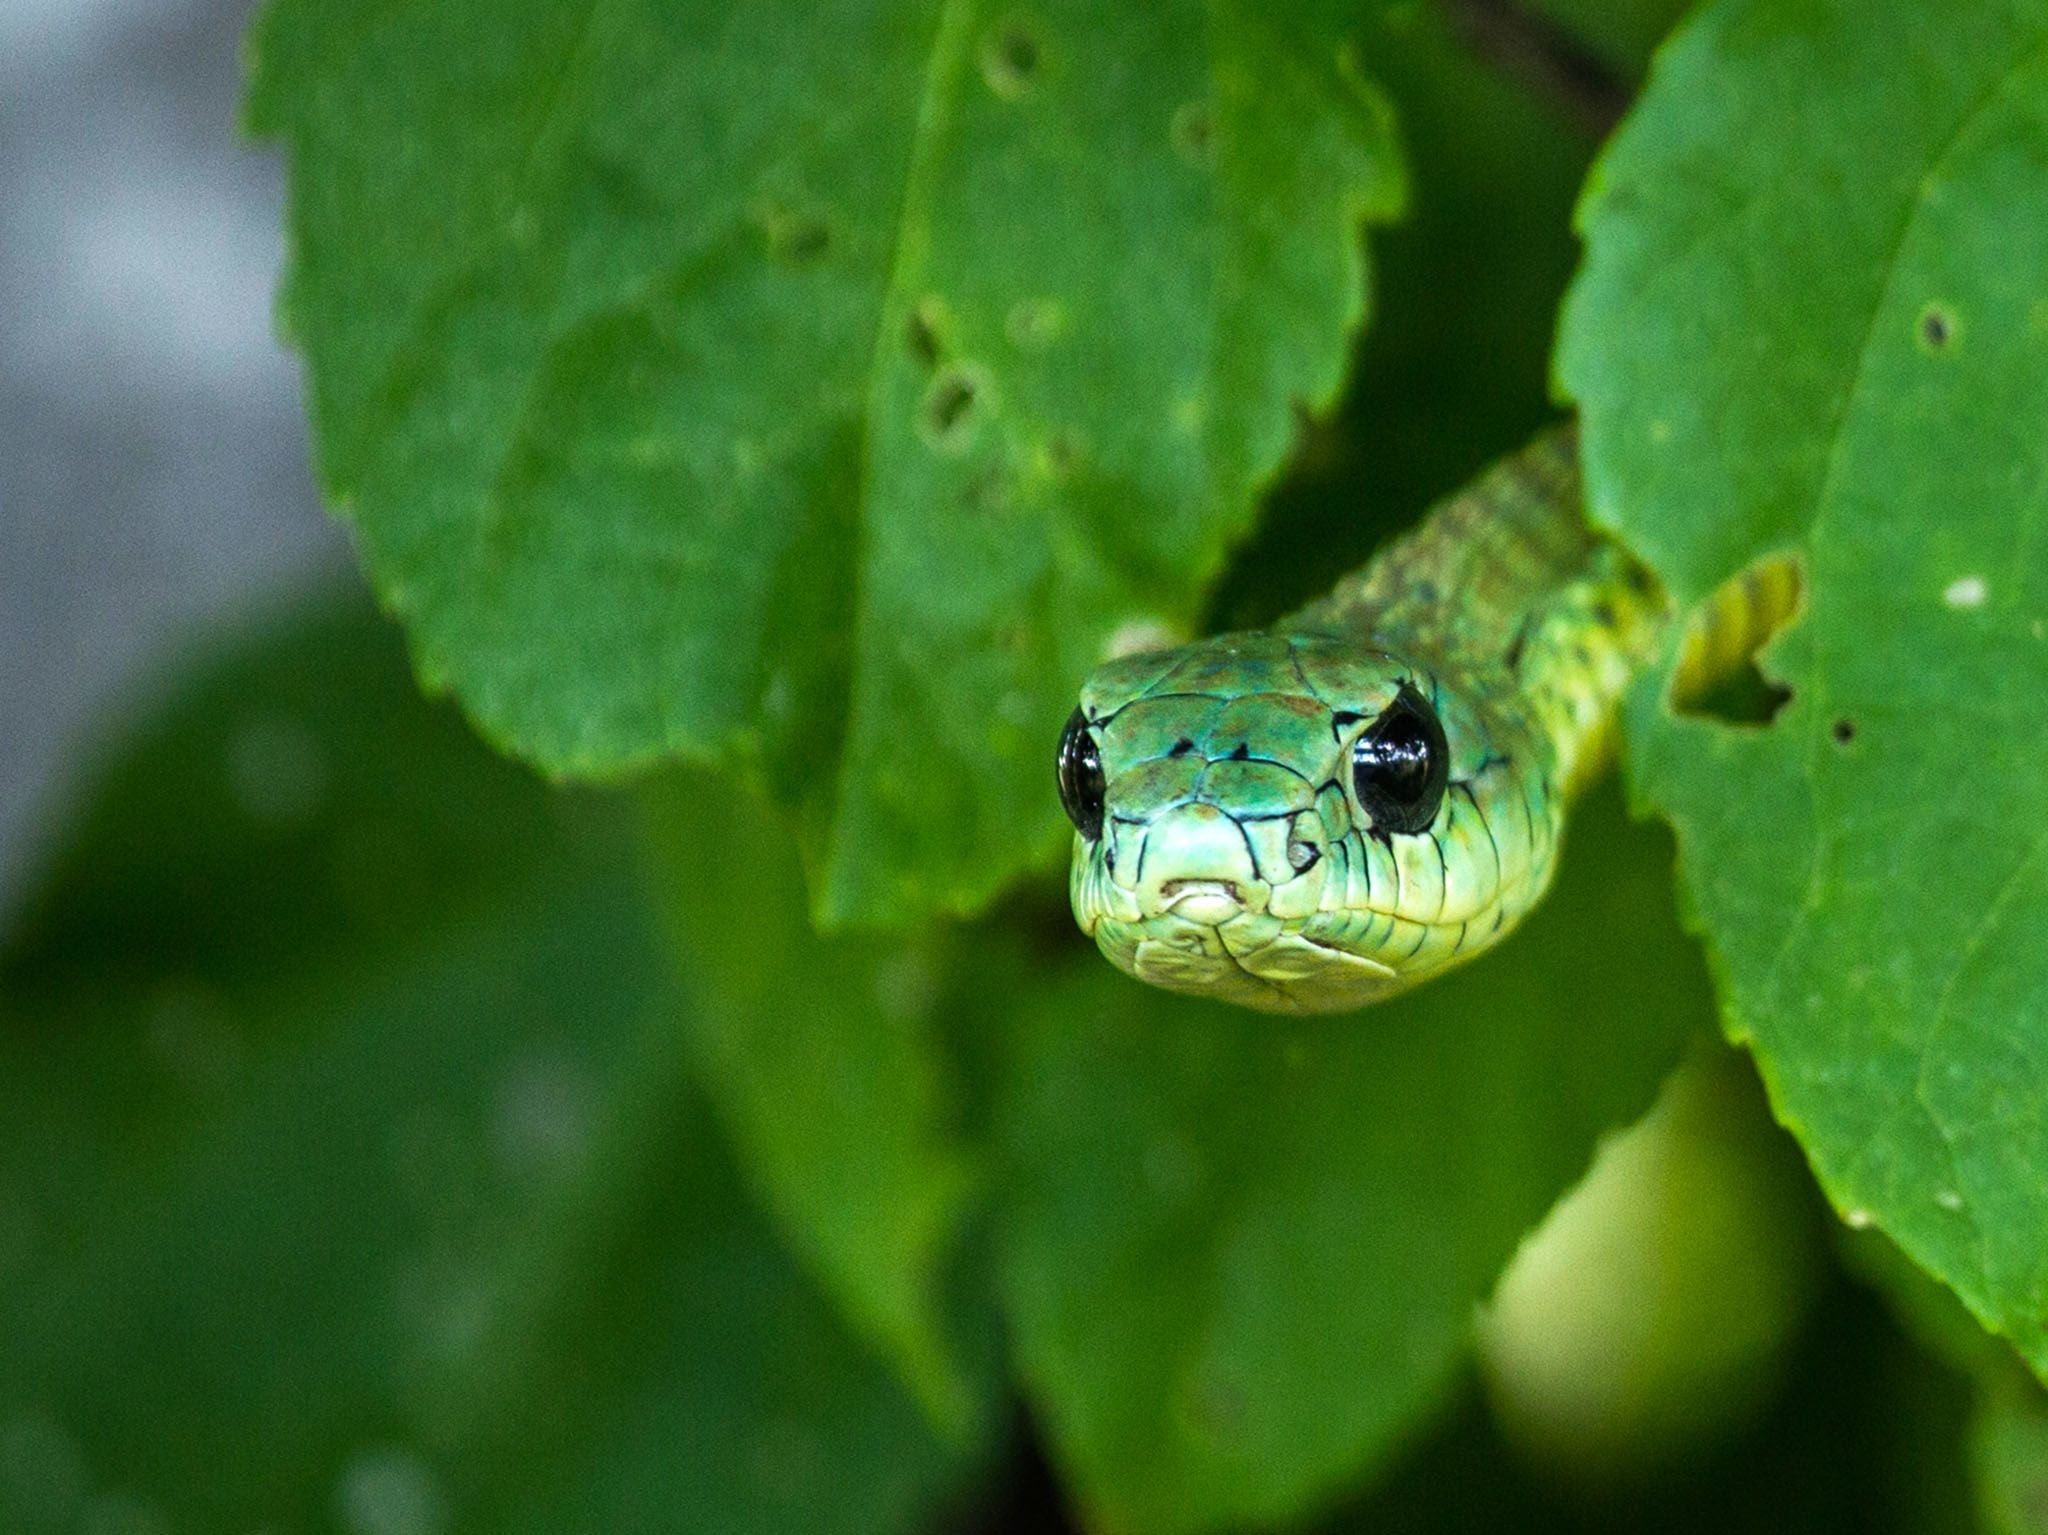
<point>824,1056</point>
<point>420,1226</point>
<point>1240,1255</point>
<point>1824,338</point>
<point>809,388</point>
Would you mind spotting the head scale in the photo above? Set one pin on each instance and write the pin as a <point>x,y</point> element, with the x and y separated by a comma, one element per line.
<point>1297,823</point>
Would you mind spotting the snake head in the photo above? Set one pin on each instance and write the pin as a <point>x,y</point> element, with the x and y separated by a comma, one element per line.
<point>1297,823</point>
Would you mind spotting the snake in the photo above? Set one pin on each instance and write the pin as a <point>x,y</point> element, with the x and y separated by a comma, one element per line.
<point>1316,816</point>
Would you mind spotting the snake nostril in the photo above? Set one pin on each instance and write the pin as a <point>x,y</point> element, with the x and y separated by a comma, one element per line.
<point>1303,856</point>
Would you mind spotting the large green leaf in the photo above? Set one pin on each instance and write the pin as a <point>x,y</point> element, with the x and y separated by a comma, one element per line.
<point>827,1059</point>
<point>1240,1254</point>
<point>1829,337</point>
<point>419,1225</point>
<point>815,388</point>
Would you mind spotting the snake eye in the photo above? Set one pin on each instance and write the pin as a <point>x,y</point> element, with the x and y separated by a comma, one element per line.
<point>1080,775</point>
<point>1400,765</point>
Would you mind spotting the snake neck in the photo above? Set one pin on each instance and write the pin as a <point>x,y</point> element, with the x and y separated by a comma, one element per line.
<point>1506,586</point>
<point>1316,819</point>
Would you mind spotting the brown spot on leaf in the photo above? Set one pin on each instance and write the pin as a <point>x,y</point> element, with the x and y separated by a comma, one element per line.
<point>921,333</point>
<point>1937,327</point>
<point>1011,59</point>
<point>953,405</point>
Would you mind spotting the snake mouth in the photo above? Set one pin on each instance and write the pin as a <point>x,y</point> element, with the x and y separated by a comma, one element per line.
<point>1208,901</point>
<point>1180,889</point>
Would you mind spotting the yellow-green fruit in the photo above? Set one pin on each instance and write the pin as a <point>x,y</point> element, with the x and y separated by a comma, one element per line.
<point>1650,1311</point>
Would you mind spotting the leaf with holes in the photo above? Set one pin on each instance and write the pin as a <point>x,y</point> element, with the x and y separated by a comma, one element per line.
<point>1831,338</point>
<point>813,389</point>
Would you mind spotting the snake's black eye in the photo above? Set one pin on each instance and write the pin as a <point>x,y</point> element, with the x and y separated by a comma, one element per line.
<point>1080,774</point>
<point>1400,765</point>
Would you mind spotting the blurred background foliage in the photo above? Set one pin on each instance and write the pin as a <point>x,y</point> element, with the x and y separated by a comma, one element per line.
<point>393,1144</point>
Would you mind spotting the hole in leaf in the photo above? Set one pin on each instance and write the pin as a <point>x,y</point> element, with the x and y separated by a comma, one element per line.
<point>951,401</point>
<point>1717,676</point>
<point>1965,592</point>
<point>1744,697</point>
<point>1010,60</point>
<point>1937,327</point>
<point>921,333</point>
<point>951,407</point>
<point>1844,731</point>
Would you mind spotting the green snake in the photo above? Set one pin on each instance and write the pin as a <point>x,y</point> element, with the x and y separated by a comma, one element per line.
<point>1314,817</point>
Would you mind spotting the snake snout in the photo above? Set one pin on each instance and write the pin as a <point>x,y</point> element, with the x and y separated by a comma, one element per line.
<point>1198,866</point>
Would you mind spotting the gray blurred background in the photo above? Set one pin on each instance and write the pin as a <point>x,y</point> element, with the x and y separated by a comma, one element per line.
<point>153,473</point>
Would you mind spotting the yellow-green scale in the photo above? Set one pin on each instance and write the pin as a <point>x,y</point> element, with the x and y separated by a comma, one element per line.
<point>1506,586</point>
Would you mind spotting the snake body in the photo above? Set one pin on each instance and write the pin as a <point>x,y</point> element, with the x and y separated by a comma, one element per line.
<point>1316,816</point>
